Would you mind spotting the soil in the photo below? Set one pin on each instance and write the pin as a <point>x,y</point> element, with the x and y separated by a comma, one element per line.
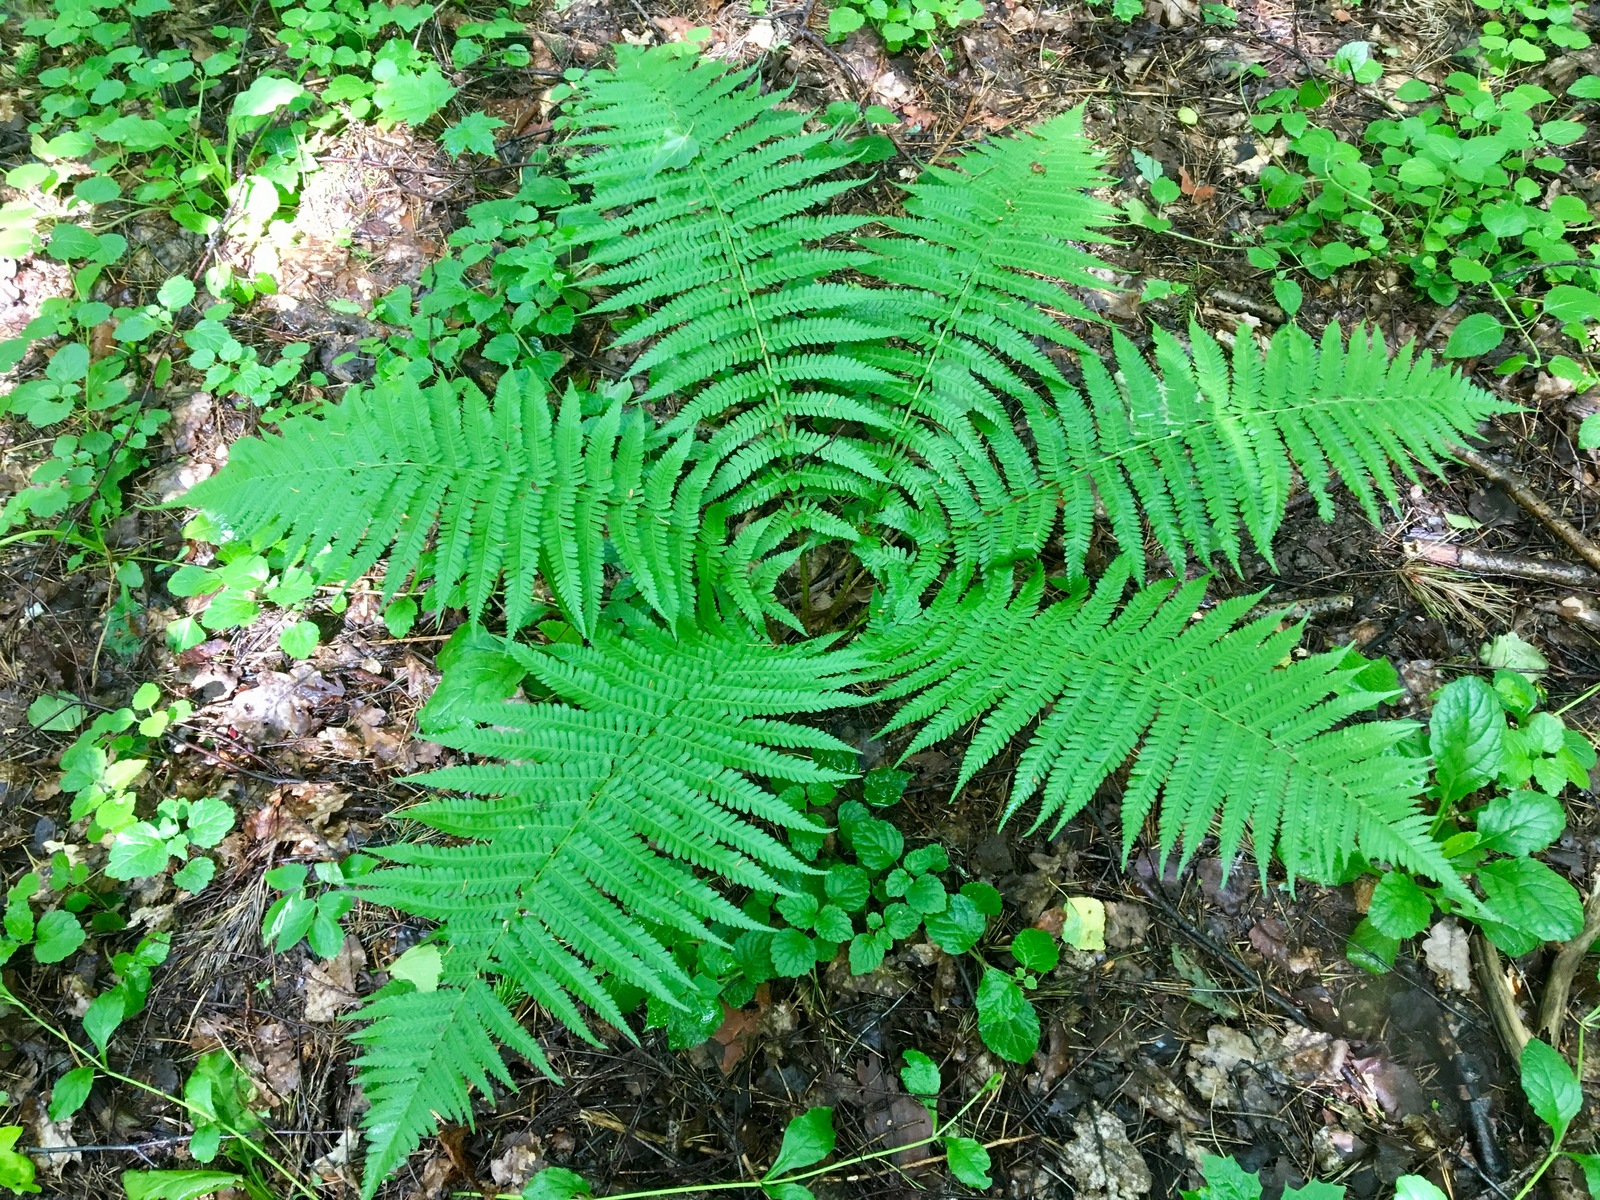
<point>1224,1017</point>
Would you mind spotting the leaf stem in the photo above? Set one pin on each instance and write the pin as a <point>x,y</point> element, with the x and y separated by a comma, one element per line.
<point>1557,1135</point>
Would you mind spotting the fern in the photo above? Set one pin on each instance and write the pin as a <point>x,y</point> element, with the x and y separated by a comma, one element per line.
<point>1216,730</point>
<point>589,838</point>
<point>421,1051</point>
<point>504,488</point>
<point>906,393</point>
<point>985,247</point>
<point>1196,450</point>
<point>700,195</point>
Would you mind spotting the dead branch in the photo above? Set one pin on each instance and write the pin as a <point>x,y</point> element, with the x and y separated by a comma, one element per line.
<point>1519,491</point>
<point>1486,562</point>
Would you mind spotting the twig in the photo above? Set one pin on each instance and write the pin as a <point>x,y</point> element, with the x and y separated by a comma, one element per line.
<point>935,1158</point>
<point>173,1139</point>
<point>1238,302</point>
<point>1226,957</point>
<point>1484,562</point>
<point>1519,491</point>
<point>1497,996</point>
<point>1306,609</point>
<point>1558,986</point>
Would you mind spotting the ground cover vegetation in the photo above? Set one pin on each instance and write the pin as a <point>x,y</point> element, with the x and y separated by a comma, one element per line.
<point>734,483</point>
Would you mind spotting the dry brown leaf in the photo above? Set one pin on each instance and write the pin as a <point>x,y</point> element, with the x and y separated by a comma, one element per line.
<point>331,985</point>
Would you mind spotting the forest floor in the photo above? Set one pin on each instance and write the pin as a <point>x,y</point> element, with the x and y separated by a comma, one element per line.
<point>1222,1018</point>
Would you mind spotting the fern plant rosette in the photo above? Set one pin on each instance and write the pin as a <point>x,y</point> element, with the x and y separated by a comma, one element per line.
<point>899,397</point>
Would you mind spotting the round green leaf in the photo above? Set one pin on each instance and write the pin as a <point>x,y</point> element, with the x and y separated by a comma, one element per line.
<point>958,928</point>
<point>1288,294</point>
<point>137,853</point>
<point>266,95</point>
<point>920,1074</point>
<point>1551,1087</point>
<point>1007,1021</point>
<point>969,1161</point>
<point>1475,335</point>
<point>56,936</point>
<point>867,951</point>
<point>877,844</point>
<point>175,293</point>
<point>209,821</point>
<point>419,966</point>
<point>1399,907</point>
<point>985,897</point>
<point>883,786</point>
<point>808,1139</point>
<point>1036,950</point>
<point>70,1091</point>
<point>298,640</point>
<point>834,924</point>
<point>1567,303</point>
<point>848,887</point>
<point>400,616</point>
<point>927,895</point>
<point>1529,896</point>
<point>195,874</point>
<point>901,920</point>
<point>793,953</point>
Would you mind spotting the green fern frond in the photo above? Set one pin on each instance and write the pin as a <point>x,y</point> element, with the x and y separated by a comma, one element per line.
<point>1195,449</point>
<point>598,825</point>
<point>986,252</point>
<point>502,489</point>
<point>702,199</point>
<point>1217,731</point>
<point>422,1052</point>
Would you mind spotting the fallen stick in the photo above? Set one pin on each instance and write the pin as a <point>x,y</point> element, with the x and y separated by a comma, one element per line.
<point>1558,986</point>
<point>1307,609</point>
<point>1485,562</point>
<point>1519,491</point>
<point>1502,1005</point>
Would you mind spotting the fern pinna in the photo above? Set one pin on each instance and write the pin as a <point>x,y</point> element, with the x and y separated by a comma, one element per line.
<point>907,394</point>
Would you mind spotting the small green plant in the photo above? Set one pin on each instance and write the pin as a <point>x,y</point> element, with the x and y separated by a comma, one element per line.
<point>116,119</point>
<point>219,1098</point>
<point>16,1169</point>
<point>901,23</point>
<point>1007,1019</point>
<point>1489,739</point>
<point>1526,28</point>
<point>498,291</point>
<point>238,586</point>
<point>394,82</point>
<point>296,914</point>
<point>810,1138</point>
<point>146,848</point>
<point>107,758</point>
<point>1463,188</point>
